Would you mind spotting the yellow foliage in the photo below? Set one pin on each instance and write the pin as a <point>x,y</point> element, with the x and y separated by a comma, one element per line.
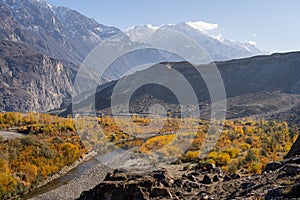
<point>255,168</point>
<point>233,152</point>
<point>156,143</point>
<point>223,159</point>
<point>191,155</point>
<point>245,147</point>
<point>212,155</point>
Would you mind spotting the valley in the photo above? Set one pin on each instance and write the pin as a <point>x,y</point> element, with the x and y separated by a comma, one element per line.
<point>178,109</point>
<point>245,147</point>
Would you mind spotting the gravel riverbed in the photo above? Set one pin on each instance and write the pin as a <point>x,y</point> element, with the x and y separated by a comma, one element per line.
<point>72,190</point>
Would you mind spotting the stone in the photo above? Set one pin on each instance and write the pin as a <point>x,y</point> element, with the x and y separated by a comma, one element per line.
<point>247,185</point>
<point>292,169</point>
<point>118,171</point>
<point>194,185</point>
<point>159,176</point>
<point>160,192</point>
<point>191,178</point>
<point>207,180</point>
<point>210,167</point>
<point>146,184</point>
<point>216,178</point>
<point>178,194</point>
<point>273,166</point>
<point>226,178</point>
<point>177,183</point>
<point>235,176</point>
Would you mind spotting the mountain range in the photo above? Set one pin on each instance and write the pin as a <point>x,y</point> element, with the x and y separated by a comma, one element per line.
<point>58,32</point>
<point>258,86</point>
<point>217,49</point>
<point>49,43</point>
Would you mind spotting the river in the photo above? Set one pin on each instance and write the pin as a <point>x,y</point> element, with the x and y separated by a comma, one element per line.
<point>63,180</point>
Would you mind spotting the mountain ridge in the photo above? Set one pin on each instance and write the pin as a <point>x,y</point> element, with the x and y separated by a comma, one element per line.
<point>249,84</point>
<point>56,31</point>
<point>217,49</point>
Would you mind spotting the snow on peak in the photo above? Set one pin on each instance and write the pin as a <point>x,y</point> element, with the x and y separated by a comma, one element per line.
<point>49,5</point>
<point>218,37</point>
<point>202,26</point>
<point>152,27</point>
<point>252,43</point>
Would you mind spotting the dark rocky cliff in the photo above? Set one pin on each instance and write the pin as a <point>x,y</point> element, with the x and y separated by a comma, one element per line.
<point>31,81</point>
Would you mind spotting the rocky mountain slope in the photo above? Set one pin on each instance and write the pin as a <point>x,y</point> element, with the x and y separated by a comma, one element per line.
<point>58,32</point>
<point>202,181</point>
<point>38,45</point>
<point>263,85</point>
<point>31,81</point>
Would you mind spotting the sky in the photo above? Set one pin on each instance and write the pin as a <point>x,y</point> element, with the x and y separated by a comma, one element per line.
<point>274,25</point>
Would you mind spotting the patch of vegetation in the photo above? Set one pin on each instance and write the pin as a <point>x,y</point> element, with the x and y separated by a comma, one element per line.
<point>50,144</point>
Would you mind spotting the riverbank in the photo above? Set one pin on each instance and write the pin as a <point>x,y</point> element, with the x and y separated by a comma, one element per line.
<point>59,174</point>
<point>66,169</point>
<point>10,134</point>
<point>73,189</point>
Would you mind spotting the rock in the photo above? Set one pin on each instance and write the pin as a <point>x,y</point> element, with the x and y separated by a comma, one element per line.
<point>235,176</point>
<point>159,176</point>
<point>205,167</point>
<point>117,177</point>
<point>226,178</point>
<point>178,194</point>
<point>206,180</point>
<point>219,171</point>
<point>210,167</point>
<point>177,183</point>
<point>295,160</point>
<point>119,171</point>
<point>166,183</point>
<point>191,178</point>
<point>203,195</point>
<point>291,169</point>
<point>160,192</point>
<point>113,191</point>
<point>146,184</point>
<point>193,185</point>
<point>189,189</point>
<point>216,178</point>
<point>273,166</point>
<point>194,174</point>
<point>247,185</point>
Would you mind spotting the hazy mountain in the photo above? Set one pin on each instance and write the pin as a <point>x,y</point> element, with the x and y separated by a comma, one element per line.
<point>262,85</point>
<point>218,49</point>
<point>58,32</point>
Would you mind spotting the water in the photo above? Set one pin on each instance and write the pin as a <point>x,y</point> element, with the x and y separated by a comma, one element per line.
<point>74,173</point>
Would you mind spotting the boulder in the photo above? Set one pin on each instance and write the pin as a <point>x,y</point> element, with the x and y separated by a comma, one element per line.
<point>206,180</point>
<point>273,166</point>
<point>161,193</point>
<point>216,178</point>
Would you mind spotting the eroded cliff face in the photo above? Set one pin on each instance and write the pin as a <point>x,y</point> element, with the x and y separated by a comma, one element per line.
<point>33,82</point>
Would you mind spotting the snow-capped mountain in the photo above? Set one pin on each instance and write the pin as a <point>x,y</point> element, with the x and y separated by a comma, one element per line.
<point>218,49</point>
<point>56,31</point>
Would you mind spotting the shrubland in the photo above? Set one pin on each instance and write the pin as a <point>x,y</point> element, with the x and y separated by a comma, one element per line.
<point>51,143</point>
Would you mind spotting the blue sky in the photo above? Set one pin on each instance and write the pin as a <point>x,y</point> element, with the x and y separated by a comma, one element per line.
<point>273,24</point>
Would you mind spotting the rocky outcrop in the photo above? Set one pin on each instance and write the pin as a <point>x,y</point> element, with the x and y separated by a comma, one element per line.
<point>159,184</point>
<point>279,180</point>
<point>295,150</point>
<point>31,81</point>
